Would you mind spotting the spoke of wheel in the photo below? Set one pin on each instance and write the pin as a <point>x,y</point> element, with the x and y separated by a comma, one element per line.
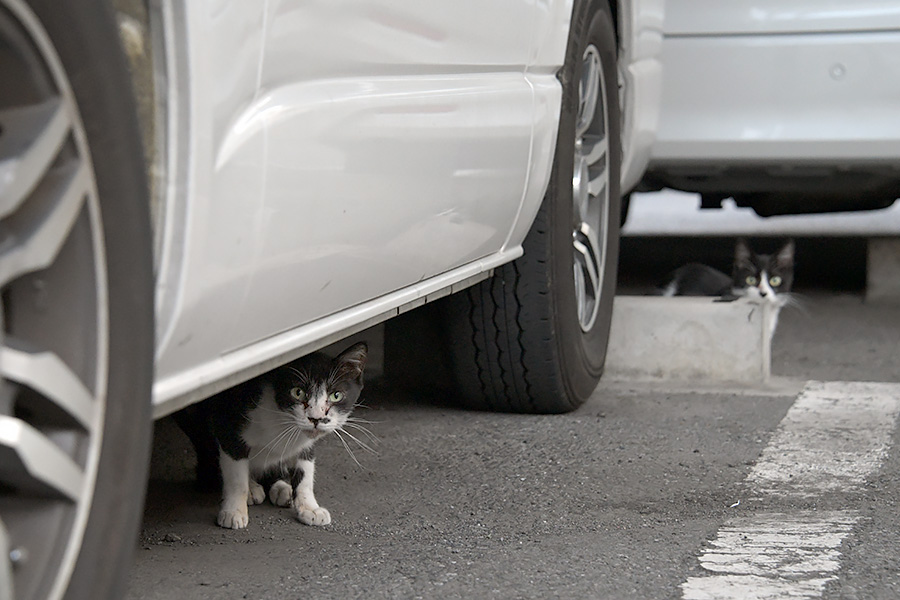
<point>588,260</point>
<point>598,181</point>
<point>46,374</point>
<point>30,140</point>
<point>594,147</point>
<point>588,90</point>
<point>31,462</point>
<point>6,580</point>
<point>37,231</point>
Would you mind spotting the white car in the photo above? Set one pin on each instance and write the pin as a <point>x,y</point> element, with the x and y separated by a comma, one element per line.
<point>315,167</point>
<point>788,106</point>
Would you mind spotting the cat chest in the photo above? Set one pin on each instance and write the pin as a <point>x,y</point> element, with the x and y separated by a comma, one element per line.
<point>266,451</point>
<point>273,440</point>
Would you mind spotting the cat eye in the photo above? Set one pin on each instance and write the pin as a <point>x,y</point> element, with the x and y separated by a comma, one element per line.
<point>775,281</point>
<point>751,280</point>
<point>298,393</point>
<point>336,397</point>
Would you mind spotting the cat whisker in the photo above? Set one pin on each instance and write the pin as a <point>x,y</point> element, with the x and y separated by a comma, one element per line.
<point>362,444</point>
<point>371,436</point>
<point>270,446</point>
<point>347,447</point>
<point>285,433</point>
<point>303,377</point>
<point>798,301</point>
<point>274,441</point>
<point>358,420</point>
<point>289,442</point>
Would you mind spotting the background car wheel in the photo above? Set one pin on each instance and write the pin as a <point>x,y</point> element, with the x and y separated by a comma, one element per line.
<point>533,338</point>
<point>76,343</point>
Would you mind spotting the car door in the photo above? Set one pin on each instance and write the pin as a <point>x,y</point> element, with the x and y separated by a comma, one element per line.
<point>397,138</point>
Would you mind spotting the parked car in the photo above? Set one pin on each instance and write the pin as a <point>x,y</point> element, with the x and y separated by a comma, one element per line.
<point>786,106</point>
<point>293,173</point>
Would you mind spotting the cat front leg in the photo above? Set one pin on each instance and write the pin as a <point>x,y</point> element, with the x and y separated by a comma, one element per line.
<point>233,513</point>
<point>281,493</point>
<point>257,493</point>
<point>305,507</point>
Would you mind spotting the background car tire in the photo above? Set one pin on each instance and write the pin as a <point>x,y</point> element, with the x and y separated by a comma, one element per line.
<point>89,305</point>
<point>533,338</point>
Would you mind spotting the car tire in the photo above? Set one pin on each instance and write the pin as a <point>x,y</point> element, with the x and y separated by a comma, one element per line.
<point>533,338</point>
<point>77,336</point>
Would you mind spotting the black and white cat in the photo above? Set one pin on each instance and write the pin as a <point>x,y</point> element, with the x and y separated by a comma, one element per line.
<point>767,277</point>
<point>264,430</point>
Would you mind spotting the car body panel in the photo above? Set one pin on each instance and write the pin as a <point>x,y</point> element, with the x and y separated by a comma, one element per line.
<point>640,75</point>
<point>789,107</point>
<point>714,17</point>
<point>333,164</point>
<point>402,154</point>
<point>813,97</point>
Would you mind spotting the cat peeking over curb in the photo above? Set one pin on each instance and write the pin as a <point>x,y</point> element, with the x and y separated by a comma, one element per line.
<point>767,277</point>
<point>263,431</point>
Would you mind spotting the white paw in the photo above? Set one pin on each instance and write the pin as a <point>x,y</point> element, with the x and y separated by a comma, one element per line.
<point>233,519</point>
<point>281,494</point>
<point>257,493</point>
<point>312,516</point>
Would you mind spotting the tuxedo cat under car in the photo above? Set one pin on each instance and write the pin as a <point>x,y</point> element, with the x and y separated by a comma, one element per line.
<point>261,433</point>
<point>767,277</point>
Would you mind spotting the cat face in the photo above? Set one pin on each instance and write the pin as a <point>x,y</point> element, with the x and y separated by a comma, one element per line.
<point>319,392</point>
<point>763,276</point>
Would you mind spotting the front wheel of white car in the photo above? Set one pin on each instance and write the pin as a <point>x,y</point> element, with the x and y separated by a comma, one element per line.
<point>76,311</point>
<point>533,338</point>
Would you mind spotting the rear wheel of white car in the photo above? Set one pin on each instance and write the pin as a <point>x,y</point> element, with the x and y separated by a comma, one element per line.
<point>533,338</point>
<point>76,341</point>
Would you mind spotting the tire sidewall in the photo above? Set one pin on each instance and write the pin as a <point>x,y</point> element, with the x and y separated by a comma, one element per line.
<point>583,353</point>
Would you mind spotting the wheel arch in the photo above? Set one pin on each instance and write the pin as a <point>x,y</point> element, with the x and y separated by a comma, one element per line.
<point>639,33</point>
<point>154,36</point>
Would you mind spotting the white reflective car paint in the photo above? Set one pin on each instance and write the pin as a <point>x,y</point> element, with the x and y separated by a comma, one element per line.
<point>698,17</point>
<point>808,81</point>
<point>332,164</point>
<point>640,74</point>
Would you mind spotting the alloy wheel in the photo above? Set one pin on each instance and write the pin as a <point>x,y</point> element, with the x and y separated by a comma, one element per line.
<point>53,295</point>
<point>590,188</point>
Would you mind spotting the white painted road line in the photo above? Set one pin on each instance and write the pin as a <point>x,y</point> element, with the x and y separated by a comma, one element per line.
<point>832,439</point>
<point>772,555</point>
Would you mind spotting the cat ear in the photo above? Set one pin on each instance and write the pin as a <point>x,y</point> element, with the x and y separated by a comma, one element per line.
<point>353,359</point>
<point>785,256</point>
<point>742,251</point>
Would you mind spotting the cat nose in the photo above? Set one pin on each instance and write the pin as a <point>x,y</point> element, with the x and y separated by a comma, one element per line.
<point>763,293</point>
<point>323,421</point>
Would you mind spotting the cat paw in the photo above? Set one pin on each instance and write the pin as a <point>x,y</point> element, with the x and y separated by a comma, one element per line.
<point>233,519</point>
<point>312,516</point>
<point>281,493</point>
<point>257,493</point>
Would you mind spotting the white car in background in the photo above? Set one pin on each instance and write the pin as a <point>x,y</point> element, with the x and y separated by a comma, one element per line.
<point>788,106</point>
<point>315,167</point>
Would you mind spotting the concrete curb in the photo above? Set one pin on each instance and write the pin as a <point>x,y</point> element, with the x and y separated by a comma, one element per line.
<point>690,339</point>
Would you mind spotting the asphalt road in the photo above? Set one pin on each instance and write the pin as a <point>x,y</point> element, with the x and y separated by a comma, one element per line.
<point>620,499</point>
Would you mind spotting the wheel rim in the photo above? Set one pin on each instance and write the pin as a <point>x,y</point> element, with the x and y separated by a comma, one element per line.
<point>590,188</point>
<point>53,294</point>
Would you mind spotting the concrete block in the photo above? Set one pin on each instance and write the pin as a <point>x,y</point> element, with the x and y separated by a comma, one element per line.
<point>883,270</point>
<point>690,339</point>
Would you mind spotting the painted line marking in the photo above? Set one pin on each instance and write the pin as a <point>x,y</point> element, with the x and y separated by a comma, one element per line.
<point>833,438</point>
